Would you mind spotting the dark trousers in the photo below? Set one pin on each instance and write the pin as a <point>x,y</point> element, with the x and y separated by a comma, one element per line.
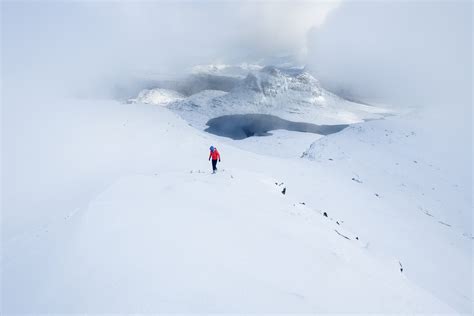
<point>214,165</point>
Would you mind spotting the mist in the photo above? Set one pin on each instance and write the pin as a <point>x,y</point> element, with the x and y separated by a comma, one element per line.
<point>90,45</point>
<point>395,52</point>
<point>64,63</point>
<point>413,56</point>
<point>411,53</point>
<point>94,164</point>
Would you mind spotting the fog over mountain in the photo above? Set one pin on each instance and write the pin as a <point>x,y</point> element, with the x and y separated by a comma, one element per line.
<point>412,52</point>
<point>391,51</point>
<point>87,43</point>
<point>342,181</point>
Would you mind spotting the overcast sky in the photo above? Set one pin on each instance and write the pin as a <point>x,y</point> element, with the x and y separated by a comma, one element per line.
<point>96,38</point>
<point>410,52</point>
<point>396,51</point>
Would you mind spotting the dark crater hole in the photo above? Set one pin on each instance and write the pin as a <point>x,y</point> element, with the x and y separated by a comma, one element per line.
<point>240,126</point>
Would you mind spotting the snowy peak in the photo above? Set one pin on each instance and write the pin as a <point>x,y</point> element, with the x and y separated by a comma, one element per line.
<point>237,71</point>
<point>272,81</point>
<point>157,96</point>
<point>288,92</point>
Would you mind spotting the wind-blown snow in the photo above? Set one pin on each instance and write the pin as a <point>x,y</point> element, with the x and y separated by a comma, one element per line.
<point>157,96</point>
<point>238,71</point>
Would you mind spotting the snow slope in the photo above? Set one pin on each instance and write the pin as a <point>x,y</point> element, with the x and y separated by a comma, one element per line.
<point>149,229</point>
<point>417,188</point>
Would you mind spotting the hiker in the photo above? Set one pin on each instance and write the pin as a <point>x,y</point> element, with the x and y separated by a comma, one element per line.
<point>214,154</point>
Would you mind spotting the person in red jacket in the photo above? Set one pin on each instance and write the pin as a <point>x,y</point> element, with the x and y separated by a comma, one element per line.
<point>214,154</point>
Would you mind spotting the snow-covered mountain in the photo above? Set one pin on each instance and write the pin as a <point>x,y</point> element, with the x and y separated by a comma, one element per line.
<point>288,92</point>
<point>421,200</point>
<point>237,71</point>
<point>118,211</point>
<point>157,96</point>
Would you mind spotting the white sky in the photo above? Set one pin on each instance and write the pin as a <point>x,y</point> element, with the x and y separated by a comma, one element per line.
<point>379,49</point>
<point>97,38</point>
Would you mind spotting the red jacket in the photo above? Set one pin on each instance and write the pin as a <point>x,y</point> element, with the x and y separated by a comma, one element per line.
<point>215,155</point>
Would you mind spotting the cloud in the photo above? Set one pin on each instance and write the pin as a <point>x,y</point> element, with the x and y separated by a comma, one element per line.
<point>411,53</point>
<point>69,44</point>
<point>415,55</point>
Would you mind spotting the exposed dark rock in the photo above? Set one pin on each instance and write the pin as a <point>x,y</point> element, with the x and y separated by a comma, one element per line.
<point>342,235</point>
